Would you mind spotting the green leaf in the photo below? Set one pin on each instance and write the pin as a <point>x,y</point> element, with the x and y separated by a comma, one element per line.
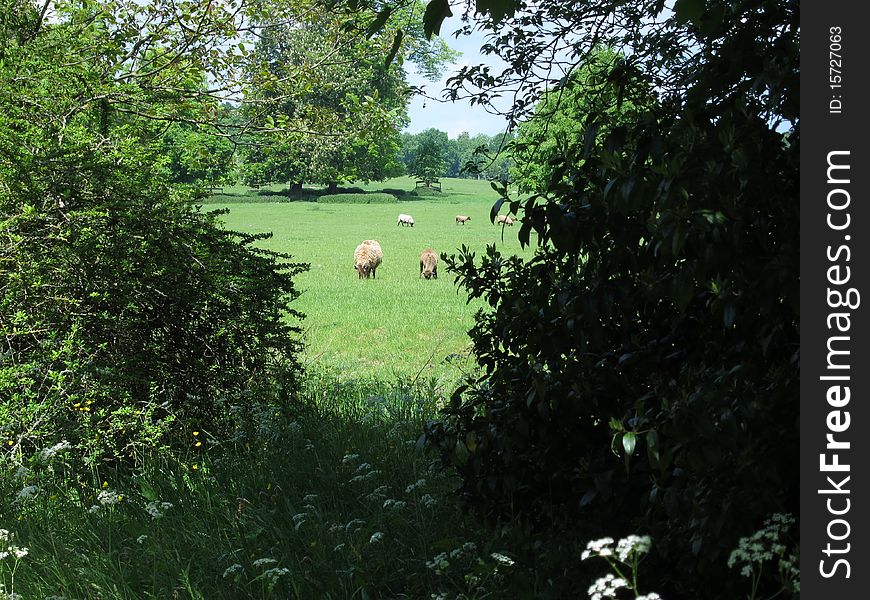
<point>688,10</point>
<point>629,440</point>
<point>379,22</point>
<point>436,12</point>
<point>497,9</point>
<point>397,43</point>
<point>652,445</point>
<point>493,212</point>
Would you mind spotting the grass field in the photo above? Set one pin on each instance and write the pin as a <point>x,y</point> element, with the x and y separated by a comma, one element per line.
<point>395,324</point>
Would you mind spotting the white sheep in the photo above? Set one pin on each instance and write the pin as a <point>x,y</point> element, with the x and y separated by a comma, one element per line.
<point>507,220</point>
<point>367,258</point>
<point>405,220</point>
<point>428,264</point>
<point>462,219</point>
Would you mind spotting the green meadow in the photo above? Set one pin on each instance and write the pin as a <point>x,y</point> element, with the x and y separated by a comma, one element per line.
<point>397,324</point>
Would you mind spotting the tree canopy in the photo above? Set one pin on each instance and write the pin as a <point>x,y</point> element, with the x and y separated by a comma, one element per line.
<point>334,104</point>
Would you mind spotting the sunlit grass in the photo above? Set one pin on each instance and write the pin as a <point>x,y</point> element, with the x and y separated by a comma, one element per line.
<point>395,324</point>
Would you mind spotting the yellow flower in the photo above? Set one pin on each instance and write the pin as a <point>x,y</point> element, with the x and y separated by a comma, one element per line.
<point>105,484</point>
<point>195,433</point>
<point>195,467</point>
<point>197,445</point>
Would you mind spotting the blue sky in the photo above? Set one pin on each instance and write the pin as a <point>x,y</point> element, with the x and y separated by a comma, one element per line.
<point>454,118</point>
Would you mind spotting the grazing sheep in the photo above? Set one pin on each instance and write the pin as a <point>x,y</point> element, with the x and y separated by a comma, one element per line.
<point>504,219</point>
<point>428,264</point>
<point>405,220</point>
<point>462,219</point>
<point>367,258</point>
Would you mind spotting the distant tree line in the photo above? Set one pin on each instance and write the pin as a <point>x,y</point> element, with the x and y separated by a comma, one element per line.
<point>432,153</point>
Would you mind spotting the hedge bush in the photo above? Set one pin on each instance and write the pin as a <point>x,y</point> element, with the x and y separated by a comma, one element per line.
<point>372,198</point>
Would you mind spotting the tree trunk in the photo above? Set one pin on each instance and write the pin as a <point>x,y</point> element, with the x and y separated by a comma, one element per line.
<point>332,188</point>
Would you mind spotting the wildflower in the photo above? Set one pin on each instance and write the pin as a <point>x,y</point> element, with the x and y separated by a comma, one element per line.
<point>376,537</point>
<point>502,559</point>
<point>157,509</point>
<point>354,525</point>
<point>234,568</point>
<point>363,467</point>
<point>395,504</point>
<point>26,493</point>
<point>348,458</point>
<point>415,486</point>
<point>598,548</point>
<point>8,548</point>
<point>46,454</point>
<point>108,498</point>
<point>633,544</point>
<point>439,563</point>
<point>309,498</point>
<point>21,472</point>
<point>650,596</point>
<point>141,539</point>
<point>265,561</point>
<point>428,501</point>
<point>338,548</point>
<point>299,520</point>
<point>605,587</point>
<point>55,598</point>
<point>274,574</point>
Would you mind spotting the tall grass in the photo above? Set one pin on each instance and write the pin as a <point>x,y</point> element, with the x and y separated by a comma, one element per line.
<point>335,501</point>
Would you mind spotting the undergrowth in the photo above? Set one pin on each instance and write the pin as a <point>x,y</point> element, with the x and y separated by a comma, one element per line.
<point>334,500</point>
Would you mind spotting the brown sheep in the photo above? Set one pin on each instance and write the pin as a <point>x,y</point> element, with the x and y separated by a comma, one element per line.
<point>462,219</point>
<point>428,264</point>
<point>507,220</point>
<point>367,258</point>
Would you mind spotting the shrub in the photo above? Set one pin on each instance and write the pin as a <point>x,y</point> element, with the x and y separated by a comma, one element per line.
<point>371,198</point>
<point>127,315</point>
<point>642,369</point>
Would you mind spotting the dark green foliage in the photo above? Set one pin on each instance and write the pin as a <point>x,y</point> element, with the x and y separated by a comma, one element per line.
<point>197,156</point>
<point>641,371</point>
<point>367,198</point>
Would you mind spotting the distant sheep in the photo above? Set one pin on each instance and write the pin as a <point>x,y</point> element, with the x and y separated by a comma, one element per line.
<point>462,219</point>
<point>367,258</point>
<point>428,264</point>
<point>405,220</point>
<point>504,219</point>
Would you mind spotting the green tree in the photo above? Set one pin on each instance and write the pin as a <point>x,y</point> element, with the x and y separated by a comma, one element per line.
<point>558,122</point>
<point>335,107</point>
<point>198,156</point>
<point>429,160</point>
<point>128,316</point>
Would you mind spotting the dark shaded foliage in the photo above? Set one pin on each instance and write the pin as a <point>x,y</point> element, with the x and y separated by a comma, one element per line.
<point>641,371</point>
